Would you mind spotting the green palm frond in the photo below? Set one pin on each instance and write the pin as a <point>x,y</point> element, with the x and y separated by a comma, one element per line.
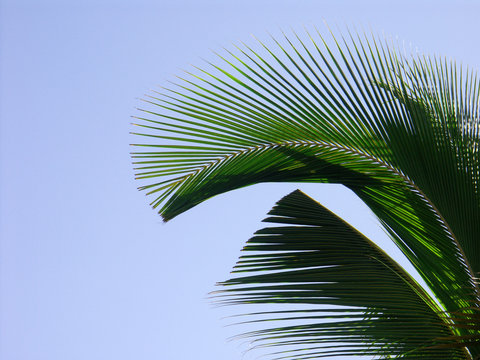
<point>401,133</point>
<point>313,257</point>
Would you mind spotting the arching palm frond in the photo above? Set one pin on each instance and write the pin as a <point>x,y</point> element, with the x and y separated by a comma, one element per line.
<point>402,134</point>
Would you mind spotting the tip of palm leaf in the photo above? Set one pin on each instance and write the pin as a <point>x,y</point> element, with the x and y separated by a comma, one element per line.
<point>169,215</point>
<point>293,197</point>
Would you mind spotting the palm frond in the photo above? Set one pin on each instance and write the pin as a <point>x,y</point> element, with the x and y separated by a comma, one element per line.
<point>402,133</point>
<point>372,306</point>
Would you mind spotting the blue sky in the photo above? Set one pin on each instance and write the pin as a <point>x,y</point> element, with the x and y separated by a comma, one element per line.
<point>87,269</point>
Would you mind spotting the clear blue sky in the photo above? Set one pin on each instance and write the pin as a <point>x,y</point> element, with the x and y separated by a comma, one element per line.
<point>87,269</point>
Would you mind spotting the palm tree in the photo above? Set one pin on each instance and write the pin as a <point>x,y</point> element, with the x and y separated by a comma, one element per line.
<point>401,132</point>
